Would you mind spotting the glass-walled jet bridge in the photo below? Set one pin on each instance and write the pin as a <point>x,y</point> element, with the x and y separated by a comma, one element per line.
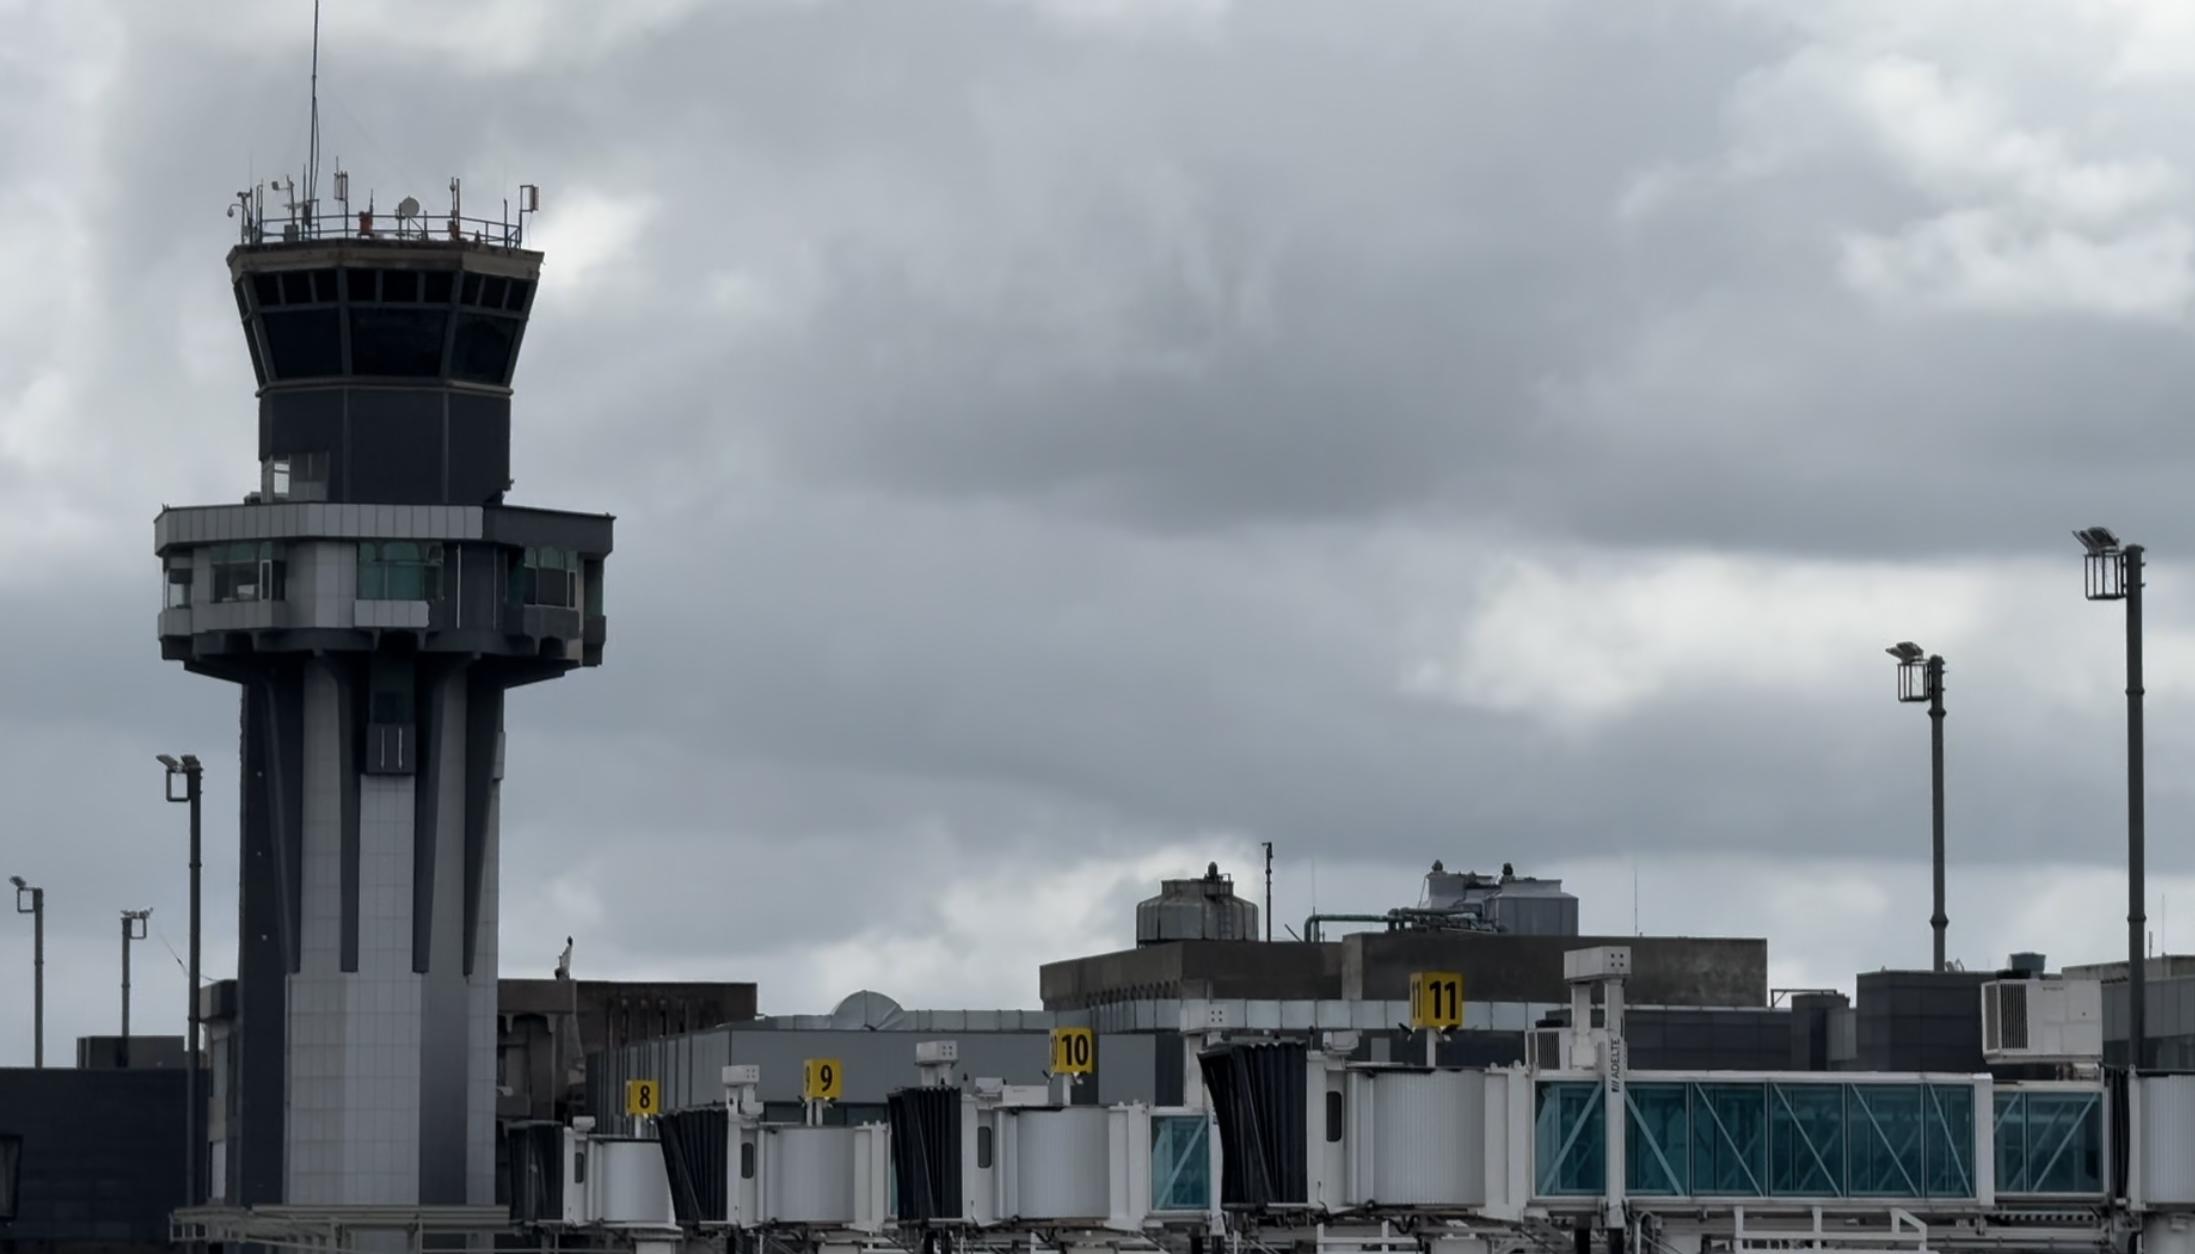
<point>1956,1140</point>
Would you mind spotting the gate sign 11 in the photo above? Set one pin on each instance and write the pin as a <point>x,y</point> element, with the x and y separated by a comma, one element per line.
<point>1074,1051</point>
<point>1436,999</point>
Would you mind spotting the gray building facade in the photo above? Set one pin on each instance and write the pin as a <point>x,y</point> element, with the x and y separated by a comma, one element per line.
<point>90,1160</point>
<point>1503,966</point>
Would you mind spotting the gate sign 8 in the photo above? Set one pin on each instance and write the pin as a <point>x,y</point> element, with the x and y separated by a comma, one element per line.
<point>1074,1051</point>
<point>643,1098</point>
<point>822,1079</point>
<point>1436,999</point>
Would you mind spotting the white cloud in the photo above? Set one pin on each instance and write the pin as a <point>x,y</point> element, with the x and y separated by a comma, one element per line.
<point>1592,638</point>
<point>1985,260</point>
<point>593,235</point>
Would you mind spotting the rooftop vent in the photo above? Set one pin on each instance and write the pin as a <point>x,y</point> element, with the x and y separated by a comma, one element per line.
<point>1199,909</point>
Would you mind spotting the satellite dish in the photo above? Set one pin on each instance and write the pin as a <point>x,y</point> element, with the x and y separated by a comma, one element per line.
<point>407,208</point>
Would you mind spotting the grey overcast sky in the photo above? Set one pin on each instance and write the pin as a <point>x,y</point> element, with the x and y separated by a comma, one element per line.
<point>1057,443</point>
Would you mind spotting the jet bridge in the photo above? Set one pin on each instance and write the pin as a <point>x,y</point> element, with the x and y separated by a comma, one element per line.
<point>1289,1143</point>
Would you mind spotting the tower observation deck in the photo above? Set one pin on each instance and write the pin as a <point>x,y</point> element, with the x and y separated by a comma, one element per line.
<point>374,599</point>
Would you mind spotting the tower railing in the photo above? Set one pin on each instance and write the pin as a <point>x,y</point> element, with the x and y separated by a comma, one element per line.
<point>305,223</point>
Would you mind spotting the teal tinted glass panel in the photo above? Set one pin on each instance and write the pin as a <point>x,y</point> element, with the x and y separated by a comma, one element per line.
<point>1947,1121</point>
<point>1884,1131</point>
<point>2009,1136</point>
<point>1806,1140</point>
<point>1181,1164</point>
<point>2065,1143</point>
<point>1655,1140</point>
<point>1729,1139</point>
<point>1569,1147</point>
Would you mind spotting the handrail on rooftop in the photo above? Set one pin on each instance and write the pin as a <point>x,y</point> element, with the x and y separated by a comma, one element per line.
<point>301,222</point>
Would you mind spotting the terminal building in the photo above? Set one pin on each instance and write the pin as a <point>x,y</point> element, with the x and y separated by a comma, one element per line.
<point>1701,1003</point>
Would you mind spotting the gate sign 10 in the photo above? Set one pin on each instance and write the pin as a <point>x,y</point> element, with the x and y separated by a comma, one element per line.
<point>1074,1051</point>
<point>1436,999</point>
<point>822,1080</point>
<point>643,1098</point>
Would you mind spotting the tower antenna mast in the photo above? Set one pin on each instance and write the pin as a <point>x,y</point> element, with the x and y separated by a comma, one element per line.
<point>312,152</point>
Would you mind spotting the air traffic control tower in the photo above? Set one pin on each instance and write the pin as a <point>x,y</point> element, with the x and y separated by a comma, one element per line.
<point>373,599</point>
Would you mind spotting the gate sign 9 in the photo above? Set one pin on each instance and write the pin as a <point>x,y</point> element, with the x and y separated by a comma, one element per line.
<point>1074,1051</point>
<point>1436,999</point>
<point>822,1079</point>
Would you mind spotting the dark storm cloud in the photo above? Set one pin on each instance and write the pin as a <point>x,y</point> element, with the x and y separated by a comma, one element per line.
<point>1057,443</point>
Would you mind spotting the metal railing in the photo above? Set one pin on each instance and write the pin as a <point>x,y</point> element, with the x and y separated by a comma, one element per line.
<point>305,221</point>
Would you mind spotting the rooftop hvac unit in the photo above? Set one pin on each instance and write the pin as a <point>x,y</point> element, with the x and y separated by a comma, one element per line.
<point>1545,1048</point>
<point>2043,1021</point>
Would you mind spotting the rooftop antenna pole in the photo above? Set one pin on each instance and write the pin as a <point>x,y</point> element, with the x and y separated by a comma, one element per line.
<point>312,159</point>
<point>1268,890</point>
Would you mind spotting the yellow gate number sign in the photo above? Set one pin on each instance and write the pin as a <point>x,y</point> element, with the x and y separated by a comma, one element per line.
<point>1074,1051</point>
<point>822,1080</point>
<point>1436,999</point>
<point>643,1097</point>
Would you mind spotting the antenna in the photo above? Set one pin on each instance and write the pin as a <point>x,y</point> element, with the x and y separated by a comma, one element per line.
<point>1268,890</point>
<point>312,158</point>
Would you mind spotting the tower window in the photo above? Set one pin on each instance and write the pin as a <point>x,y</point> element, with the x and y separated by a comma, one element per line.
<point>405,342</point>
<point>548,576</point>
<point>297,476</point>
<point>178,583</point>
<point>399,570</point>
<point>251,570</point>
<point>484,347</point>
<point>303,343</point>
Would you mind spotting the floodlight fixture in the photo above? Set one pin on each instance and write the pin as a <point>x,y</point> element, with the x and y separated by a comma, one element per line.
<point>2097,540</point>
<point>2109,566</point>
<point>1920,676</point>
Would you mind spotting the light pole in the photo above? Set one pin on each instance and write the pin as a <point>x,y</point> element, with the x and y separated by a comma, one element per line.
<point>1920,678</point>
<point>2113,572</point>
<point>133,929</point>
<point>187,769</point>
<point>32,901</point>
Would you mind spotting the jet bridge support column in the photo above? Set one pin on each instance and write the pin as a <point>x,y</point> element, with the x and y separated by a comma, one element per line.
<point>1605,968</point>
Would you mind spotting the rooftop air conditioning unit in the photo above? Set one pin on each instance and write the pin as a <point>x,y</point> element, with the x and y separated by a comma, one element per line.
<point>2043,1021</point>
<point>1545,1050</point>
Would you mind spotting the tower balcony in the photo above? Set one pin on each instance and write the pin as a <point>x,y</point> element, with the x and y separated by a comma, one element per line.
<point>262,580</point>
